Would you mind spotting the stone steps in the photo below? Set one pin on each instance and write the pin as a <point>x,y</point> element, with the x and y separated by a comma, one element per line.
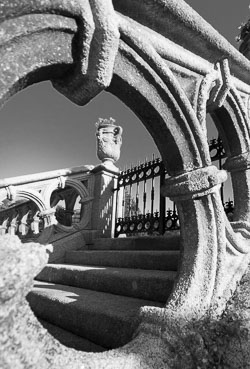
<point>70,339</point>
<point>155,285</point>
<point>97,294</point>
<point>169,242</point>
<point>147,259</point>
<point>106,319</point>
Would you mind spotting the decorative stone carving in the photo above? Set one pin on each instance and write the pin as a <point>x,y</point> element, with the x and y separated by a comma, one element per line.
<point>109,141</point>
<point>156,68</point>
<point>195,184</point>
<point>223,84</point>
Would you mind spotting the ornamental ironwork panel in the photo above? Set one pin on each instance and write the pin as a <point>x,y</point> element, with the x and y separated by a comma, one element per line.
<point>217,151</point>
<point>142,210</point>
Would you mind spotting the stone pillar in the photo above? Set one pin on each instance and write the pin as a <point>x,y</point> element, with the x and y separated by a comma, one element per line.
<point>13,225</point>
<point>239,167</point>
<point>48,216</point>
<point>203,240</point>
<point>4,227</point>
<point>106,174</point>
<point>68,217</point>
<point>213,259</point>
<point>104,203</point>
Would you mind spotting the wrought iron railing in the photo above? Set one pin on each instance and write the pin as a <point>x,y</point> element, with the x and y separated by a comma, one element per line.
<point>141,210</point>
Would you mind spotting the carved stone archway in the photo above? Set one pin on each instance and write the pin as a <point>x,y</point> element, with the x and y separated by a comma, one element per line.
<point>85,47</point>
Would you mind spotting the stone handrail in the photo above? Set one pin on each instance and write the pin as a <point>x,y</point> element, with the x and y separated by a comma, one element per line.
<point>31,178</point>
<point>29,202</point>
<point>30,205</point>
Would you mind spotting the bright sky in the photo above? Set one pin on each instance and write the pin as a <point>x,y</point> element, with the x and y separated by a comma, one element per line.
<point>41,130</point>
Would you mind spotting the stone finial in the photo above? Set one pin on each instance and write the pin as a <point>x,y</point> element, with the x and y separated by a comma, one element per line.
<point>109,141</point>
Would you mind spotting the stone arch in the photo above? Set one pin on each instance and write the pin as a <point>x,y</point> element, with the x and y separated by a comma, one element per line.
<point>226,99</point>
<point>231,121</point>
<point>171,122</point>
<point>233,125</point>
<point>32,196</point>
<point>81,189</point>
<point>183,135</point>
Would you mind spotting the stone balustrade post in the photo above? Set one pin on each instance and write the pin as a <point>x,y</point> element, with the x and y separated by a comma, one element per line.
<point>23,227</point>
<point>4,227</point>
<point>104,203</point>
<point>68,217</point>
<point>13,226</point>
<point>35,224</point>
<point>48,216</point>
<point>106,174</point>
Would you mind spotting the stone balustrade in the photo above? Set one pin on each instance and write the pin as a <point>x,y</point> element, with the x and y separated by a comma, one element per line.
<point>47,207</point>
<point>30,204</point>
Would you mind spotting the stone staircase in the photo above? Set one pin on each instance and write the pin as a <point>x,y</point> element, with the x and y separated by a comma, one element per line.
<point>92,301</point>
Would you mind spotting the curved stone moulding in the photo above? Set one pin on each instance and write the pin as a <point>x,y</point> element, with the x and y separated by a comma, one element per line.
<point>233,124</point>
<point>152,85</point>
<point>12,193</point>
<point>42,200</point>
<point>181,24</point>
<point>97,27</point>
<point>196,298</point>
<point>86,201</point>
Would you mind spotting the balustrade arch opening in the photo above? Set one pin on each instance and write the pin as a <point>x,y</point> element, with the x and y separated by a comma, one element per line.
<point>29,208</point>
<point>20,214</point>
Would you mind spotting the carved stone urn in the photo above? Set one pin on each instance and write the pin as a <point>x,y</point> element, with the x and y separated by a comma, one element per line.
<point>109,141</point>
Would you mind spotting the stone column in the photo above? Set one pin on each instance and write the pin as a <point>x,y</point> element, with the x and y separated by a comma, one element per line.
<point>213,259</point>
<point>48,216</point>
<point>239,167</point>
<point>203,240</point>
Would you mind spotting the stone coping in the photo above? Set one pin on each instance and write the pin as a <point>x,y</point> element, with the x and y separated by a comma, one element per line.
<point>30,178</point>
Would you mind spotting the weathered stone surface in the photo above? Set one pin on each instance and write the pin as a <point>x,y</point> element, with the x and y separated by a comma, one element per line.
<point>109,140</point>
<point>63,242</point>
<point>24,343</point>
<point>103,208</point>
<point>19,265</point>
<point>97,42</point>
<point>179,343</point>
<point>170,82</point>
<point>18,69</point>
<point>218,342</point>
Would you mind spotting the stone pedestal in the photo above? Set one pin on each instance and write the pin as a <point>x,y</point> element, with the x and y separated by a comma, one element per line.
<point>104,203</point>
<point>109,140</point>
